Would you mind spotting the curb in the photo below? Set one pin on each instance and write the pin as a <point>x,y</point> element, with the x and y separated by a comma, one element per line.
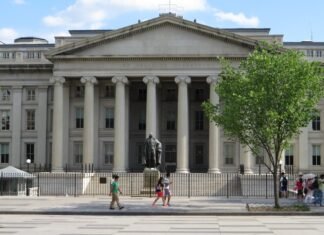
<point>159,213</point>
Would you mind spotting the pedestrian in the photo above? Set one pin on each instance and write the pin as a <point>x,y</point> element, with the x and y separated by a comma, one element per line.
<point>158,191</point>
<point>283,185</point>
<point>166,188</point>
<point>317,192</point>
<point>321,186</point>
<point>114,192</point>
<point>308,190</point>
<point>299,188</point>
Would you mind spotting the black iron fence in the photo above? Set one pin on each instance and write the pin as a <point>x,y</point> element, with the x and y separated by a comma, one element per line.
<point>139,185</point>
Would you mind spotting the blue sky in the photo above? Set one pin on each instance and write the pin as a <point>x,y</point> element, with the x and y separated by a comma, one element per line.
<point>297,20</point>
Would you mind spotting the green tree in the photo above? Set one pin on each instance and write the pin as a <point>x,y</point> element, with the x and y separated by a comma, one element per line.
<point>266,100</point>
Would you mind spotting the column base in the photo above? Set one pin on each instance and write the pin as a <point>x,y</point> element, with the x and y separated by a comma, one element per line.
<point>116,170</point>
<point>58,169</point>
<point>182,170</point>
<point>214,171</point>
<point>248,172</point>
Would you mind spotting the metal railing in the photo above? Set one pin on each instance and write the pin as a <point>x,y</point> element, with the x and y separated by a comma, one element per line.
<point>132,184</point>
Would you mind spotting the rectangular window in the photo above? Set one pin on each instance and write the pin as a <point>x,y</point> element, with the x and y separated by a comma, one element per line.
<point>316,157</point>
<point>171,121</point>
<point>5,120</point>
<point>170,153</point>
<point>31,94</point>
<point>289,156</point>
<point>199,154</point>
<point>78,152</point>
<point>79,91</point>
<point>229,153</point>
<point>142,94</point>
<point>30,125</point>
<point>171,94</point>
<point>109,118</point>
<point>318,53</point>
<point>5,93</point>
<point>199,120</point>
<point>259,158</point>
<point>30,55</point>
<point>316,123</point>
<point>79,117</point>
<point>310,53</point>
<point>5,55</point>
<point>4,153</point>
<point>199,95</point>
<point>109,152</point>
<point>142,120</point>
<point>109,91</point>
<point>30,152</point>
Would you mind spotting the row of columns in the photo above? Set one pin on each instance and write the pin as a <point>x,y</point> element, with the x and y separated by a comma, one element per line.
<point>120,159</point>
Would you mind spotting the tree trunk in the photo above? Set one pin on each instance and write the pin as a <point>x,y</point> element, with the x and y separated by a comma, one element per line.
<point>275,185</point>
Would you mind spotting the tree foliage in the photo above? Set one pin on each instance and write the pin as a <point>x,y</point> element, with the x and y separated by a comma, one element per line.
<point>266,101</point>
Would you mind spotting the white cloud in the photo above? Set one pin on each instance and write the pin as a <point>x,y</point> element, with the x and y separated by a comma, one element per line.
<point>94,13</point>
<point>19,2</point>
<point>7,35</point>
<point>239,18</point>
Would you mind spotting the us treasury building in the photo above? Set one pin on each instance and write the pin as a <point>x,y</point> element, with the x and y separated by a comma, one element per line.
<point>94,96</point>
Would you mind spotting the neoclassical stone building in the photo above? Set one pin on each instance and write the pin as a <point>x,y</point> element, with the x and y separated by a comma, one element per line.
<point>93,97</point>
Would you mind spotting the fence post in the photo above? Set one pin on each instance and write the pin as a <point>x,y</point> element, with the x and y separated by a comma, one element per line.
<point>150,188</point>
<point>189,185</point>
<point>227,186</point>
<point>266,185</point>
<point>75,184</point>
<point>38,184</point>
<point>1,186</point>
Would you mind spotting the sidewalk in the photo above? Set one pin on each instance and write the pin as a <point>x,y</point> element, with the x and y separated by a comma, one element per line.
<point>142,206</point>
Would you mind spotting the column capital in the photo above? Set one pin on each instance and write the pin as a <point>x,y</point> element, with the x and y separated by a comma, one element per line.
<point>57,80</point>
<point>120,79</point>
<point>212,79</point>
<point>182,79</point>
<point>90,79</point>
<point>151,79</point>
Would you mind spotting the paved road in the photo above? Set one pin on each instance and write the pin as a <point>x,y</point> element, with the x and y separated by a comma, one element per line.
<point>157,225</point>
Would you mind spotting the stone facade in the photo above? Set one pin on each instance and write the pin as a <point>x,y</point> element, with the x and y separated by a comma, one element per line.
<point>93,97</point>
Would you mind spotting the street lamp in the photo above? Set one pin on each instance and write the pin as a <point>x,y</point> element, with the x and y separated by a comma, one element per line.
<point>28,161</point>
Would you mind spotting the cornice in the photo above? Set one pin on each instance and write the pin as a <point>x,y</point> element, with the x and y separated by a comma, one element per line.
<point>26,67</point>
<point>150,58</point>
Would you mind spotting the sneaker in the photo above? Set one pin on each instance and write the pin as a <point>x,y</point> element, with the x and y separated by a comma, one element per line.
<point>111,208</point>
<point>121,207</point>
<point>153,205</point>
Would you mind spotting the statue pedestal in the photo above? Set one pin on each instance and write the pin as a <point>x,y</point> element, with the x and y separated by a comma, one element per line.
<point>151,177</point>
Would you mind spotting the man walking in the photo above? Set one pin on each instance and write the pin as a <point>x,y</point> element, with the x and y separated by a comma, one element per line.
<point>114,191</point>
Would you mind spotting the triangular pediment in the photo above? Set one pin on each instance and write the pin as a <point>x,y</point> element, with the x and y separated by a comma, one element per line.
<point>162,36</point>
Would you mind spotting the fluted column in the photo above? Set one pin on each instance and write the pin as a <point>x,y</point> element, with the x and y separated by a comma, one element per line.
<point>183,124</point>
<point>151,102</point>
<point>89,123</point>
<point>120,124</point>
<point>214,130</point>
<point>303,148</point>
<point>247,159</point>
<point>58,128</point>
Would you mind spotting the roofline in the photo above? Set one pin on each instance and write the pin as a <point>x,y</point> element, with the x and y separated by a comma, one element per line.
<point>50,45</point>
<point>226,35</point>
<point>304,43</point>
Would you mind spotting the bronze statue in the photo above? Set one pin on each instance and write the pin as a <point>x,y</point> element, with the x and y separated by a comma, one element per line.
<point>152,152</point>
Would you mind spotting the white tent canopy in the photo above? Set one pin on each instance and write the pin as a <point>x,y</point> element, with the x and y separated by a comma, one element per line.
<point>12,172</point>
